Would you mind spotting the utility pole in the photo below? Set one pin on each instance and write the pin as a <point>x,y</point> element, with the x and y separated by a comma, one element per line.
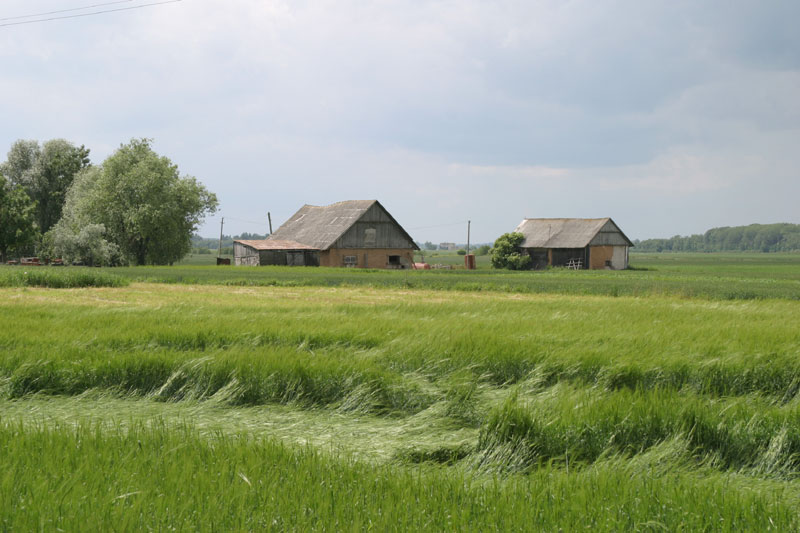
<point>269,217</point>
<point>469,222</point>
<point>219,249</point>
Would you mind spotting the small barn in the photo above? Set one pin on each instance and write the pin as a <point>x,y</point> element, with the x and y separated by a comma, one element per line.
<point>594,243</point>
<point>354,233</point>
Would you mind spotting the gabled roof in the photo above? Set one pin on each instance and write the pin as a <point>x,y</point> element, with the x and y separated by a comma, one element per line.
<point>568,232</point>
<point>321,226</point>
<point>274,244</point>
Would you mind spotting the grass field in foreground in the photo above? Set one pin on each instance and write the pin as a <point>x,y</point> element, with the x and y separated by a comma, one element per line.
<point>338,407</point>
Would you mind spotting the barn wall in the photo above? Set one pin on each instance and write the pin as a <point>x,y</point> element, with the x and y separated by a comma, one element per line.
<point>540,257</point>
<point>244,255</point>
<point>375,229</point>
<point>366,258</point>
<point>609,235</point>
<point>559,257</point>
<point>289,257</point>
<point>620,259</point>
<point>598,255</point>
<point>616,255</point>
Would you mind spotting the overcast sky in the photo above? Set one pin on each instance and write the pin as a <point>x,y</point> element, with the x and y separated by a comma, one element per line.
<point>671,116</point>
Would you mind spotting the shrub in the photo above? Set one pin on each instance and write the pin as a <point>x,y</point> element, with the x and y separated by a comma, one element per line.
<point>505,253</point>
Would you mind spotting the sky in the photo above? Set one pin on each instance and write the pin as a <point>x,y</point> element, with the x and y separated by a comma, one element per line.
<point>671,117</point>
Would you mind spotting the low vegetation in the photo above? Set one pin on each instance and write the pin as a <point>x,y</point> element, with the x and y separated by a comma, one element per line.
<point>55,278</point>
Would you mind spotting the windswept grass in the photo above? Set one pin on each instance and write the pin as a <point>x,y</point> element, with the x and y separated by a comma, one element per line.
<point>487,409</point>
<point>583,425</point>
<point>159,477</point>
<point>326,346</point>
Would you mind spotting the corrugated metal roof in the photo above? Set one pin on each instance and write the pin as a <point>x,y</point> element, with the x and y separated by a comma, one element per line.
<point>321,226</point>
<point>560,232</point>
<point>275,244</point>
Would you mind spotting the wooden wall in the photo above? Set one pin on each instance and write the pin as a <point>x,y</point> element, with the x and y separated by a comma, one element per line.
<point>366,258</point>
<point>375,229</point>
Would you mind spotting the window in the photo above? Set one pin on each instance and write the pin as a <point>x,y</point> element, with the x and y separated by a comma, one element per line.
<point>394,262</point>
<point>350,260</point>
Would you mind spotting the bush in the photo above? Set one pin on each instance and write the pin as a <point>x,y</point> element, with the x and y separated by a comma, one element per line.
<point>505,253</point>
<point>462,252</point>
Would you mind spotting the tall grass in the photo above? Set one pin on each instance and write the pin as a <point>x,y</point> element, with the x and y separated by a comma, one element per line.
<point>163,477</point>
<point>549,411</point>
<point>62,278</point>
<point>195,343</point>
<point>583,425</point>
<point>240,378</point>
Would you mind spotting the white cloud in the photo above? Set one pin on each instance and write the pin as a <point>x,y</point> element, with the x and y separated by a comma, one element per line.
<point>443,110</point>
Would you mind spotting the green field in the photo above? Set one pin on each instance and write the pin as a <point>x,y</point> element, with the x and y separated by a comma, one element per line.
<point>228,398</point>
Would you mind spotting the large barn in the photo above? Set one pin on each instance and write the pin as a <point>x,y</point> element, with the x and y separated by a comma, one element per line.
<point>354,233</point>
<point>594,243</point>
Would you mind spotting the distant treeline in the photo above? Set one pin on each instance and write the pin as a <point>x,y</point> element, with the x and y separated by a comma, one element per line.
<point>752,238</point>
<point>205,245</point>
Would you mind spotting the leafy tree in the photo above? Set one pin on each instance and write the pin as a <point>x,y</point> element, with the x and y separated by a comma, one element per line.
<point>87,245</point>
<point>505,253</point>
<point>76,237</point>
<point>46,174</point>
<point>429,245</point>
<point>145,206</point>
<point>483,250</point>
<point>17,226</point>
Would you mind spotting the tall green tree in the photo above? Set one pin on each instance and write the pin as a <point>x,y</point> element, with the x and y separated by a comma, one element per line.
<point>45,172</point>
<point>17,227</point>
<point>146,208</point>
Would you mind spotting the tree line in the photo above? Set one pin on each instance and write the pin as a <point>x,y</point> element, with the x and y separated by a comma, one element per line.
<point>753,238</point>
<point>133,208</point>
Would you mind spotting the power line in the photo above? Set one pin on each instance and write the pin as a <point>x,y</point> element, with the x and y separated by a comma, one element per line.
<point>248,221</point>
<point>441,225</point>
<point>90,14</point>
<point>66,10</point>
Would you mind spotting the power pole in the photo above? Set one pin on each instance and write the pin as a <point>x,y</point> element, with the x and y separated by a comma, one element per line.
<point>469,223</point>
<point>269,217</point>
<point>219,249</point>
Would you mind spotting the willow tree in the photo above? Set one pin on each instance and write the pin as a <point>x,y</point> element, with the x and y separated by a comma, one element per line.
<point>146,208</point>
<point>45,173</point>
<point>17,225</point>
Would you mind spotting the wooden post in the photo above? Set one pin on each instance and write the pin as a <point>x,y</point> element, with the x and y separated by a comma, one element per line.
<point>469,223</point>
<point>219,248</point>
<point>269,217</point>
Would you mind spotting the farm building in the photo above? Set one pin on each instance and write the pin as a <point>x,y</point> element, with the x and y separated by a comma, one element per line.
<point>354,233</point>
<point>594,243</point>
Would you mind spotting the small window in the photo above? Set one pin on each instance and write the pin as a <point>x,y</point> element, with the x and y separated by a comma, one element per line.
<point>394,260</point>
<point>350,260</point>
